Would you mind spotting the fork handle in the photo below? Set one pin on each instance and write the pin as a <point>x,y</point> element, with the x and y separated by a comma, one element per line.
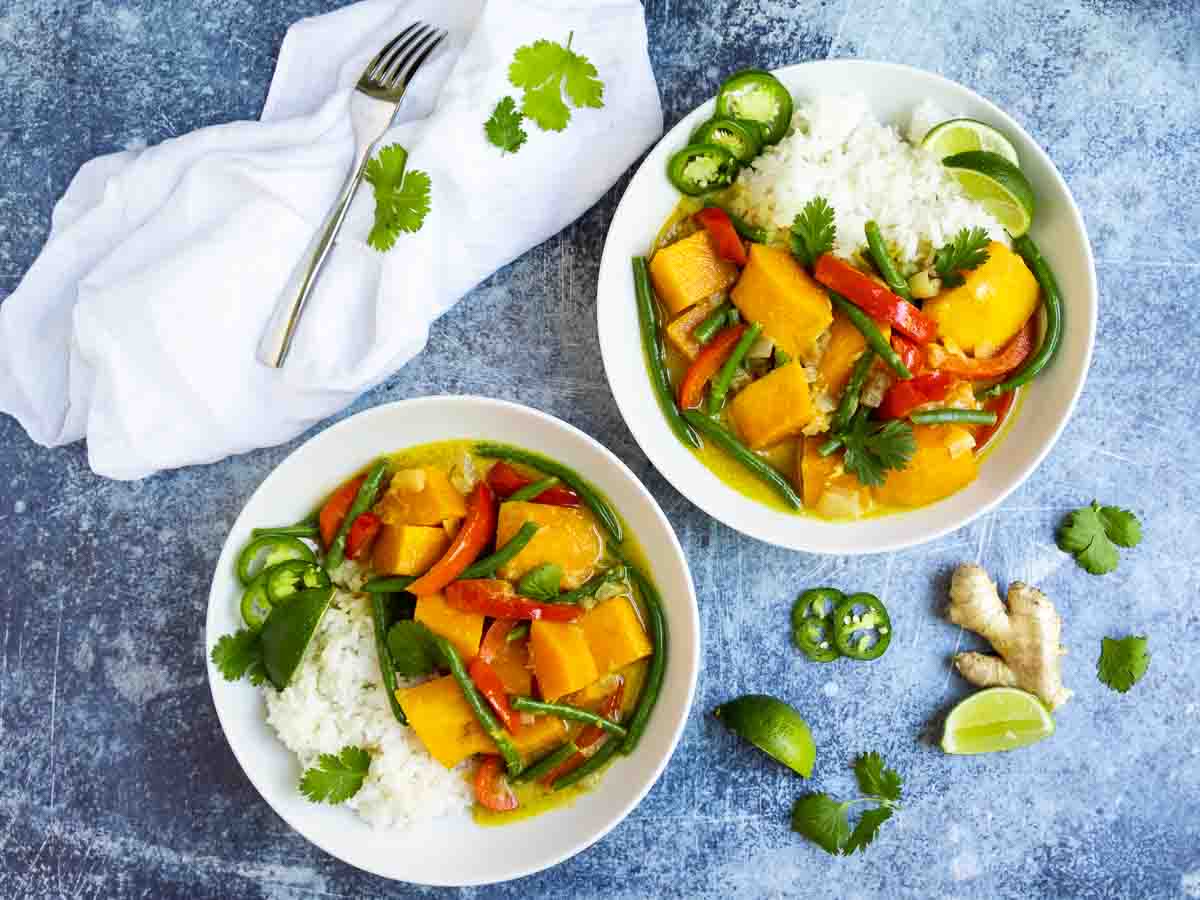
<point>277,339</point>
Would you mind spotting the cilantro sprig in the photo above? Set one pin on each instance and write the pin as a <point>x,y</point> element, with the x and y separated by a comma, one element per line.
<point>1093,533</point>
<point>813,231</point>
<point>239,655</point>
<point>1123,661</point>
<point>504,129</point>
<point>825,820</point>
<point>401,197</point>
<point>336,778</point>
<point>874,447</point>
<point>544,70</point>
<point>967,250</point>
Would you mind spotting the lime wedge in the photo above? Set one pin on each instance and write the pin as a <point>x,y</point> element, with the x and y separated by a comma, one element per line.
<point>994,182</point>
<point>995,719</point>
<point>772,726</point>
<point>289,630</point>
<point>960,135</point>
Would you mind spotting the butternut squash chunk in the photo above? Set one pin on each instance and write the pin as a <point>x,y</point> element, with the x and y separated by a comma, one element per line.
<point>933,473</point>
<point>432,503</point>
<point>679,332</point>
<point>512,665</point>
<point>408,549</point>
<point>688,271</point>
<point>439,714</point>
<point>984,313</point>
<point>846,345</point>
<point>462,629</point>
<point>777,293</point>
<point>615,635</point>
<point>562,661</point>
<point>568,537</point>
<point>828,489</point>
<point>536,739</point>
<point>773,407</point>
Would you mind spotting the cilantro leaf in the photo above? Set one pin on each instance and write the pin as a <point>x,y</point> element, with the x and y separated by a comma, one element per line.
<point>866,829</point>
<point>336,778</point>
<point>1093,533</point>
<point>823,821</point>
<point>401,197</point>
<point>1123,661</point>
<point>239,655</point>
<point>543,70</point>
<point>813,231</point>
<point>875,779</point>
<point>968,250</point>
<point>542,582</point>
<point>504,129</point>
<point>412,648</point>
<point>872,448</point>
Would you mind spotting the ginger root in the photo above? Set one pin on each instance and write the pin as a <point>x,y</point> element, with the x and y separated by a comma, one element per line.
<point>1025,633</point>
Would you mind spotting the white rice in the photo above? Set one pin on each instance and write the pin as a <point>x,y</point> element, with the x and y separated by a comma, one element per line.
<point>866,170</point>
<point>336,700</point>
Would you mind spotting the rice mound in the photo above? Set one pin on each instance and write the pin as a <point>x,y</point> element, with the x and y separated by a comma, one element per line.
<point>336,699</point>
<point>839,150</point>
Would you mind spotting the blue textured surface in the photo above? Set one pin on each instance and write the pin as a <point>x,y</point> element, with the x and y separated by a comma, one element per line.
<point>115,780</point>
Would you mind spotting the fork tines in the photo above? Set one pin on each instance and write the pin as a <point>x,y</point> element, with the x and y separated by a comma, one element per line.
<point>402,56</point>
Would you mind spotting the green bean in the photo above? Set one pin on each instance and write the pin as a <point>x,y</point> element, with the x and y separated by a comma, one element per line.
<point>782,357</point>
<point>875,339</point>
<point>652,349</point>
<point>512,757</point>
<point>720,384</point>
<point>548,763</point>
<point>563,711</point>
<point>598,760</point>
<point>651,687</point>
<point>587,493</point>
<point>720,436</point>
<point>740,225</point>
<point>589,587</point>
<point>949,416</point>
<point>489,565</point>
<point>388,585</point>
<point>734,316</point>
<point>848,405</point>
<point>299,530</point>
<point>1052,301</point>
<point>363,501</point>
<point>705,331</point>
<point>517,632</point>
<point>830,446</point>
<point>885,264</point>
<point>386,669</point>
<point>531,490</point>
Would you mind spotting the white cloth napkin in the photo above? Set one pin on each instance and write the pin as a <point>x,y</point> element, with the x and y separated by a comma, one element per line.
<point>138,324</point>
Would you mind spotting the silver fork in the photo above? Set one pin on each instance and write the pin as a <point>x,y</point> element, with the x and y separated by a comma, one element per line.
<point>385,80</point>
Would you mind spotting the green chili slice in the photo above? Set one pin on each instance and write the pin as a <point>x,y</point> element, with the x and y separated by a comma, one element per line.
<point>855,620</point>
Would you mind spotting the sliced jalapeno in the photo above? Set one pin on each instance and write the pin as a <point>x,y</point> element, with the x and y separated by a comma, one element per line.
<point>700,168</point>
<point>256,605</point>
<point>759,97</point>
<point>274,549</point>
<point>742,139</point>
<point>294,575</point>
<point>855,619</point>
<point>813,623</point>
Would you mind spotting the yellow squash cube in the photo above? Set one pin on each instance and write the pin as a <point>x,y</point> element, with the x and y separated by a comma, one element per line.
<point>773,407</point>
<point>512,665</point>
<point>545,733</point>
<point>828,488</point>
<point>688,271</point>
<point>615,635</point>
<point>463,630</point>
<point>562,661</point>
<point>439,714</point>
<point>679,332</point>
<point>932,473</point>
<point>988,309</point>
<point>846,345</point>
<point>778,294</point>
<point>421,496</point>
<point>567,537</point>
<point>408,549</point>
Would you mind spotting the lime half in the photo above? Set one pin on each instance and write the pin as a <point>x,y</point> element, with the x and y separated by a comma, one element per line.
<point>995,719</point>
<point>960,135</point>
<point>289,630</point>
<point>772,726</point>
<point>994,182</point>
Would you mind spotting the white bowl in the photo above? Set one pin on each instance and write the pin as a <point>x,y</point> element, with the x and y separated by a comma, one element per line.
<point>892,90</point>
<point>453,850</point>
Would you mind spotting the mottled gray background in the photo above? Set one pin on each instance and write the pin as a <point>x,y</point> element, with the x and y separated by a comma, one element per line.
<point>115,780</point>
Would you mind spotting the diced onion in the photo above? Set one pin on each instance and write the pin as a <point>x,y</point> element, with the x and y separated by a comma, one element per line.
<point>409,481</point>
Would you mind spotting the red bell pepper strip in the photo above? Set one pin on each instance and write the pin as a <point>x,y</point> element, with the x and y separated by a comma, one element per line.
<point>905,396</point>
<point>488,681</point>
<point>506,481</point>
<point>720,228</point>
<point>363,532</point>
<point>1001,406</point>
<point>994,366</point>
<point>496,598</point>
<point>496,638</point>
<point>477,531</point>
<point>492,790</point>
<point>589,739</point>
<point>707,364</point>
<point>910,354</point>
<point>874,299</point>
<point>336,507</point>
